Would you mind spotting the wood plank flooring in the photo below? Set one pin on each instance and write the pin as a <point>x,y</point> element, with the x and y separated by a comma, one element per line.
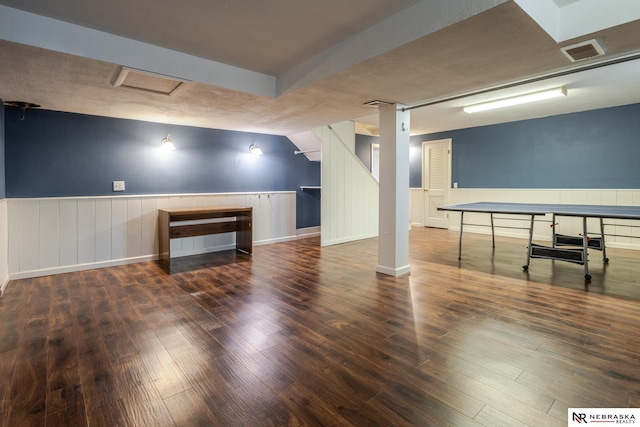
<point>299,335</point>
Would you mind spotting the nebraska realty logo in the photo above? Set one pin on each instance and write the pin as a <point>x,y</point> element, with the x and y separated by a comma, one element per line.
<point>603,416</point>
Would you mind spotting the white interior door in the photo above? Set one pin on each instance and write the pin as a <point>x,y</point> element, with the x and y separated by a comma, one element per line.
<point>436,179</point>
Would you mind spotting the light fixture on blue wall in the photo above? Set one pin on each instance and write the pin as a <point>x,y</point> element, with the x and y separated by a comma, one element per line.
<point>167,143</point>
<point>255,150</point>
<point>516,100</point>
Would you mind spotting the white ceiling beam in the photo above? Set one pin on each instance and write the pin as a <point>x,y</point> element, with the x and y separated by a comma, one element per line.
<point>415,22</point>
<point>35,30</point>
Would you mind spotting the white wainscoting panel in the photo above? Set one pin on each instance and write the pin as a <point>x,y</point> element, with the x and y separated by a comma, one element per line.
<point>49,240</point>
<point>103,230</point>
<point>86,231</point>
<point>28,226</point>
<point>416,207</point>
<point>68,250</point>
<point>565,225</point>
<point>4,245</point>
<point>56,235</point>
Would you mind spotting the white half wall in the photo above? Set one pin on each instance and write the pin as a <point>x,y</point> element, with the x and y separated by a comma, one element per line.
<point>57,235</point>
<point>542,229</point>
<point>4,246</point>
<point>349,208</point>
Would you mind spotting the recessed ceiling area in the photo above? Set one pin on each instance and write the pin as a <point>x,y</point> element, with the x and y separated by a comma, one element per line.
<point>265,36</point>
<point>275,71</point>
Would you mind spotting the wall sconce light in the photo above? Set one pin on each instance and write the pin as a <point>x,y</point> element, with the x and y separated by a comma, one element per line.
<point>255,150</point>
<point>167,143</point>
<point>516,100</point>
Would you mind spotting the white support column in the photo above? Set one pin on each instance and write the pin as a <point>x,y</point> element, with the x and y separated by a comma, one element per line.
<point>393,240</point>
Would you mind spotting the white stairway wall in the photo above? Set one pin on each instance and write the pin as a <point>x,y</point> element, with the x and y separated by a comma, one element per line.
<point>349,209</point>
<point>56,235</point>
<point>346,131</point>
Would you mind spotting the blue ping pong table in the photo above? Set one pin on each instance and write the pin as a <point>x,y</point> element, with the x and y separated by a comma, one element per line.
<point>565,248</point>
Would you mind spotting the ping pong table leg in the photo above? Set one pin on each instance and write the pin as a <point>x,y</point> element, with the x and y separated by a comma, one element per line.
<point>526,266</point>
<point>493,234</point>
<point>460,241</point>
<point>585,246</point>
<point>604,246</point>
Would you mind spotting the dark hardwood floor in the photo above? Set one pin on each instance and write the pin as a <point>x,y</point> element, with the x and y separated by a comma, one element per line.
<point>297,334</point>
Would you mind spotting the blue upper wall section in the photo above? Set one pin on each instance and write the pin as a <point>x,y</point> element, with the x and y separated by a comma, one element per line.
<point>592,149</point>
<point>51,154</point>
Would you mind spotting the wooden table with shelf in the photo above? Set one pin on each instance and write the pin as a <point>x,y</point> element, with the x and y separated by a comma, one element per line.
<point>190,222</point>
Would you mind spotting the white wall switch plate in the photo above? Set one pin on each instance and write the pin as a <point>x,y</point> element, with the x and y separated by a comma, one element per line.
<point>118,185</point>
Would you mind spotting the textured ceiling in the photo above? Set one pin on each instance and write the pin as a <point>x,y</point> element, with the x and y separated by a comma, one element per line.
<point>490,48</point>
<point>265,36</point>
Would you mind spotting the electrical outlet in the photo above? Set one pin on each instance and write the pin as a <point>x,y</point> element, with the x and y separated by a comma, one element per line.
<point>118,185</point>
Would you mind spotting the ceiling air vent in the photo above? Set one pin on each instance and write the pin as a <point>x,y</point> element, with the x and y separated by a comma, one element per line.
<point>377,103</point>
<point>583,50</point>
<point>147,81</point>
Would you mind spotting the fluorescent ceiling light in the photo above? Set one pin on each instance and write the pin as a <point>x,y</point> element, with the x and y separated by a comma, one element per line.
<point>516,100</point>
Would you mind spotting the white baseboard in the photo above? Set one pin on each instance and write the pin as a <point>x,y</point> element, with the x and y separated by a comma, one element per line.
<point>304,233</point>
<point>277,240</point>
<point>349,239</point>
<point>79,267</point>
<point>393,271</point>
<point>5,282</point>
<point>123,261</point>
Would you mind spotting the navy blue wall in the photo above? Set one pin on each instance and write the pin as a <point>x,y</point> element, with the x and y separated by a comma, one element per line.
<point>53,154</point>
<point>2,168</point>
<point>592,149</point>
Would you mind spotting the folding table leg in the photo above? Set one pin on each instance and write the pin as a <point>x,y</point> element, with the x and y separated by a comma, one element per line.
<point>604,246</point>
<point>493,233</point>
<point>526,266</point>
<point>460,241</point>
<point>585,247</point>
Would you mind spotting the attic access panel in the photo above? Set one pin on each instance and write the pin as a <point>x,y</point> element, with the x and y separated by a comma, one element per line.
<point>147,81</point>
